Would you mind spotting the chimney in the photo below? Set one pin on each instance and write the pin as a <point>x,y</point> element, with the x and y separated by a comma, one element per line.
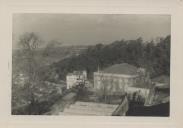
<point>98,69</point>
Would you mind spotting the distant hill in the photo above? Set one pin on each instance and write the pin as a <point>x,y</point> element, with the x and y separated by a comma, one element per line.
<point>123,68</point>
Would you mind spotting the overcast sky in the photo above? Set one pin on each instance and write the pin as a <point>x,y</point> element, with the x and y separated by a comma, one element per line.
<point>88,29</point>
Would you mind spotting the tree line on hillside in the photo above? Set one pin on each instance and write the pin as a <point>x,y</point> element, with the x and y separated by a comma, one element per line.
<point>154,57</point>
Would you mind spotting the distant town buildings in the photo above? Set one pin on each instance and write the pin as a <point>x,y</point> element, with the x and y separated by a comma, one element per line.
<point>120,79</point>
<point>75,78</point>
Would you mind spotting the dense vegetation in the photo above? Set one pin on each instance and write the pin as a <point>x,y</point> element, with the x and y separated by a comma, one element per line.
<point>155,57</point>
<point>43,70</point>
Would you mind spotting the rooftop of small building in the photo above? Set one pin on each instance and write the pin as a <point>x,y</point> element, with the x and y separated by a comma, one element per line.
<point>89,108</point>
<point>162,81</point>
<point>75,73</point>
<point>123,68</point>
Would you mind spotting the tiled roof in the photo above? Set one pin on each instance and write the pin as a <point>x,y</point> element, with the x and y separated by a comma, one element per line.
<point>162,79</point>
<point>123,68</point>
<point>75,73</point>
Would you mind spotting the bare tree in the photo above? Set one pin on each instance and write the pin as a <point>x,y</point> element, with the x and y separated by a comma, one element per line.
<point>29,43</point>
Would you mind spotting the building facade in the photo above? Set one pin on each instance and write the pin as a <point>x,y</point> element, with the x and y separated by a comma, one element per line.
<point>118,79</point>
<point>75,78</point>
<point>113,83</point>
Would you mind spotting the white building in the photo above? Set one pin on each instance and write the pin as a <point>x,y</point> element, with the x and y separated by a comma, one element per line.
<point>119,79</point>
<point>75,78</point>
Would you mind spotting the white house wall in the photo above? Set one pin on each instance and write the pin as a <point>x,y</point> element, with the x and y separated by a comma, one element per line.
<point>113,83</point>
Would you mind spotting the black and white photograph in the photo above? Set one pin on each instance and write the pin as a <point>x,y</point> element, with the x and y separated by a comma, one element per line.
<point>69,64</point>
